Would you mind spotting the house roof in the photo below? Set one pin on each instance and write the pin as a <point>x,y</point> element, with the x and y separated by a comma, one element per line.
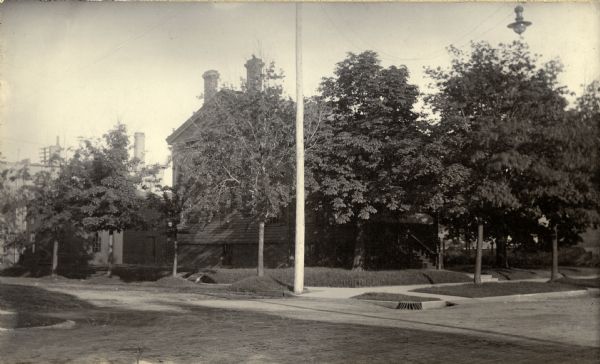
<point>193,120</point>
<point>196,121</point>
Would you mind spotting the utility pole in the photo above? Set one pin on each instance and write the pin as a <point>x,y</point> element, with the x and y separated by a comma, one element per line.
<point>299,246</point>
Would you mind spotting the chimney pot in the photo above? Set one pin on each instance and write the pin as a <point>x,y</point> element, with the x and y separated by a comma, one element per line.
<point>254,75</point>
<point>139,146</point>
<point>211,83</point>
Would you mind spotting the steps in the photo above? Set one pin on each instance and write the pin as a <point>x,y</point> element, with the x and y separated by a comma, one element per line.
<point>425,261</point>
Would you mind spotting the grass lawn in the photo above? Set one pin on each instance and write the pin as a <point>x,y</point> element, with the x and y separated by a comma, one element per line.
<point>337,277</point>
<point>201,334</point>
<point>260,286</point>
<point>384,296</point>
<point>581,282</point>
<point>313,276</point>
<point>499,289</point>
<point>502,274</point>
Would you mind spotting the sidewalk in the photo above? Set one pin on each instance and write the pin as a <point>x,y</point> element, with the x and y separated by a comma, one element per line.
<point>346,293</point>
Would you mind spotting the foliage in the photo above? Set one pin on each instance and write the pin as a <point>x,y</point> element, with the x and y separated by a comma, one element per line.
<point>105,183</point>
<point>13,202</point>
<point>509,157</point>
<point>241,159</point>
<point>371,138</point>
<point>50,208</point>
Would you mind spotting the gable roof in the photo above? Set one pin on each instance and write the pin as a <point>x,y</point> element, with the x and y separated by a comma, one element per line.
<point>197,121</point>
<point>191,121</point>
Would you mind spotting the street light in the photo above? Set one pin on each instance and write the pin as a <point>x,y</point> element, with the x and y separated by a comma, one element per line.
<point>520,25</point>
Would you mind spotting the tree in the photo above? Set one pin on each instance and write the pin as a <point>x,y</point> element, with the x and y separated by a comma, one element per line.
<point>482,101</point>
<point>51,210</point>
<point>565,179</point>
<point>242,159</point>
<point>14,198</point>
<point>500,115</point>
<point>106,193</point>
<point>372,135</point>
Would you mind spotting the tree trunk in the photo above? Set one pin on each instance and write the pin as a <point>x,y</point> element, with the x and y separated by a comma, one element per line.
<point>477,275</point>
<point>175,257</point>
<point>440,250</point>
<point>443,252</point>
<point>261,248</point>
<point>438,263</point>
<point>505,253</point>
<point>554,273</point>
<point>501,252</point>
<point>54,257</point>
<point>359,248</point>
<point>110,253</point>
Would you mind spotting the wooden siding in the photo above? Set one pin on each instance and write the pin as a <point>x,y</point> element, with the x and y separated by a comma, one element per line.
<point>234,229</point>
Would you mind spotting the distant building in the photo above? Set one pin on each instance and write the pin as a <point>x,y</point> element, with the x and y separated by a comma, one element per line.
<point>14,226</point>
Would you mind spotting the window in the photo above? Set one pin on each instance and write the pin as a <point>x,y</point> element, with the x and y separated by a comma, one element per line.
<point>96,244</point>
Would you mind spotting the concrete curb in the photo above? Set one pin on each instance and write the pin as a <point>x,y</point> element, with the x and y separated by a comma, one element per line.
<point>524,297</point>
<point>396,305</point>
<point>68,324</point>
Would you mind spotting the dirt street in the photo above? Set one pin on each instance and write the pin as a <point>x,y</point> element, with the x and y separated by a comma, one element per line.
<point>123,325</point>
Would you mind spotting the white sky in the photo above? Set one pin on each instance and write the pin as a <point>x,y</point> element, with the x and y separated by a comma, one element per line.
<point>73,69</point>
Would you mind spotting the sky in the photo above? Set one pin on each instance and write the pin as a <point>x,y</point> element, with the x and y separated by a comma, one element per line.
<point>75,69</point>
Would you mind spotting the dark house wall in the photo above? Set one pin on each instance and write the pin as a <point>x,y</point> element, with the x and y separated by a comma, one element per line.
<point>232,241</point>
<point>232,255</point>
<point>146,248</point>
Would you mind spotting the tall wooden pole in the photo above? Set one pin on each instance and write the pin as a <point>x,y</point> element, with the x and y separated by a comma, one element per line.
<point>299,246</point>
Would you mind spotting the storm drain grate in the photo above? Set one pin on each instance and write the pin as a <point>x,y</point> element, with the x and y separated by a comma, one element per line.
<point>409,306</point>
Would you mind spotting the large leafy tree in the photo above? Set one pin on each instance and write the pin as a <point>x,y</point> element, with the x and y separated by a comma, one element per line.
<point>242,158</point>
<point>106,186</point>
<point>51,210</point>
<point>14,198</point>
<point>500,132</point>
<point>372,137</point>
<point>563,188</point>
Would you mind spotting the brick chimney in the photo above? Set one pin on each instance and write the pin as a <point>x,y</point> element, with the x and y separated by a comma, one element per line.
<point>254,75</point>
<point>211,83</point>
<point>139,146</point>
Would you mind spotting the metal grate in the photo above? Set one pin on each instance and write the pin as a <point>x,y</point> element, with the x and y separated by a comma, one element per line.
<point>409,305</point>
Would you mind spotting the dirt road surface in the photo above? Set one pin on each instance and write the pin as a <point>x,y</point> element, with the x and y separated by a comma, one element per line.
<point>122,325</point>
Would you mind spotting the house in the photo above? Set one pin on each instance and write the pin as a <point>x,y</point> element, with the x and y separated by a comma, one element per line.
<point>232,240</point>
<point>229,240</point>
